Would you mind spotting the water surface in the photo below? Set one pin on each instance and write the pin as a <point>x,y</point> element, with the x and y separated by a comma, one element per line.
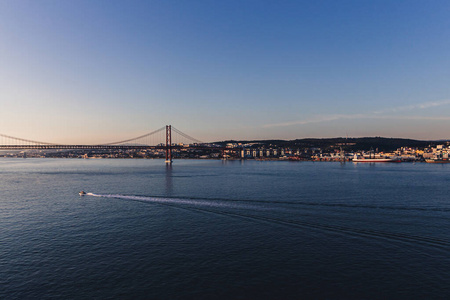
<point>206,229</point>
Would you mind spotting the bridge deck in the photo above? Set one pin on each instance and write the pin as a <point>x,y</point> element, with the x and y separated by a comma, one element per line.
<point>107,147</point>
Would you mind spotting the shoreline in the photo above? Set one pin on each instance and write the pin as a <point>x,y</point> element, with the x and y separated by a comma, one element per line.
<point>228,159</point>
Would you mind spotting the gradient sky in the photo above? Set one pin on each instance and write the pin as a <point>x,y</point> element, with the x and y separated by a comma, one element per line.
<point>99,71</point>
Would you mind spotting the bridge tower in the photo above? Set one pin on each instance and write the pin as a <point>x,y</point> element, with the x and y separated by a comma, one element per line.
<point>168,144</point>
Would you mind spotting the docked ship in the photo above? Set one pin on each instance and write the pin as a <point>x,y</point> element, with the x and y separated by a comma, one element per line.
<point>437,160</point>
<point>374,159</point>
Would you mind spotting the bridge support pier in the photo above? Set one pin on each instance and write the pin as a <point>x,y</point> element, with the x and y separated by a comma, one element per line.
<point>168,144</point>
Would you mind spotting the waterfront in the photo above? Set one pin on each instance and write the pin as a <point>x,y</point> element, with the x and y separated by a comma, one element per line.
<point>209,229</point>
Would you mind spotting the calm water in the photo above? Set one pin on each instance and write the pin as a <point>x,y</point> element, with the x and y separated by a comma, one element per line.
<point>206,229</point>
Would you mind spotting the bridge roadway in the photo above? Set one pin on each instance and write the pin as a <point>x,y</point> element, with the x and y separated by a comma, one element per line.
<point>109,147</point>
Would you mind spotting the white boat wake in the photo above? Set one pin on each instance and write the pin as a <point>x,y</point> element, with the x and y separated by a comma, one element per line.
<point>254,211</point>
<point>178,201</point>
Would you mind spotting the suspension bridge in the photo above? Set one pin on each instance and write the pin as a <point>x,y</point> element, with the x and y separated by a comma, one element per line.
<point>166,138</point>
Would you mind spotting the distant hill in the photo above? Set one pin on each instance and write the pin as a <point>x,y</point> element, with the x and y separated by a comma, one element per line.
<point>364,143</point>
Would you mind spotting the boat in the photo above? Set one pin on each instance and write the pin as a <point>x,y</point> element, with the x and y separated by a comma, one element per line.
<point>437,161</point>
<point>82,193</point>
<point>374,160</point>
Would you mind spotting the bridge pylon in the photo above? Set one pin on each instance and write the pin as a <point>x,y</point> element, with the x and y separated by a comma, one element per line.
<point>168,144</point>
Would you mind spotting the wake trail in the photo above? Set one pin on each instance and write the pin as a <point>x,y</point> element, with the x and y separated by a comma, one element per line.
<point>195,202</point>
<point>239,210</point>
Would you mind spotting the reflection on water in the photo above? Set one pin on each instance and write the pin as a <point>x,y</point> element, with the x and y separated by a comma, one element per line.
<point>168,177</point>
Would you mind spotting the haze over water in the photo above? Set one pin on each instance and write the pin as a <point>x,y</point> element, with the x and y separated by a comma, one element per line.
<point>207,229</point>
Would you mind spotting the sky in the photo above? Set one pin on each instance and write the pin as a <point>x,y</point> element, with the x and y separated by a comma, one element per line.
<point>104,70</point>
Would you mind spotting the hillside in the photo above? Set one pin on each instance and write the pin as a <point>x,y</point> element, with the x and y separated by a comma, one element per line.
<point>364,143</point>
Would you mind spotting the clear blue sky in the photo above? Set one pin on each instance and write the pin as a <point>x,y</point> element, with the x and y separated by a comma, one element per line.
<point>99,71</point>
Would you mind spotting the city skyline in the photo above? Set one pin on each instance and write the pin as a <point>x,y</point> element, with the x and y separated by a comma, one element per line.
<point>99,71</point>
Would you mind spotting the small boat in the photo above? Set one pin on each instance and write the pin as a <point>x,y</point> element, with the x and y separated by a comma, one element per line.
<point>82,193</point>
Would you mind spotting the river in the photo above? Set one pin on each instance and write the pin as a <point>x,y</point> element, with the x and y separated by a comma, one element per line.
<point>210,229</point>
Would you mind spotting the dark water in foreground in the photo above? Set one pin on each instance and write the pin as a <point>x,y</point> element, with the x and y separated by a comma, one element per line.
<point>223,230</point>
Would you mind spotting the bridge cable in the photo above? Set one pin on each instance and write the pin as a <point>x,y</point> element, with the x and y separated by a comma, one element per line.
<point>187,136</point>
<point>25,140</point>
<point>136,138</point>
